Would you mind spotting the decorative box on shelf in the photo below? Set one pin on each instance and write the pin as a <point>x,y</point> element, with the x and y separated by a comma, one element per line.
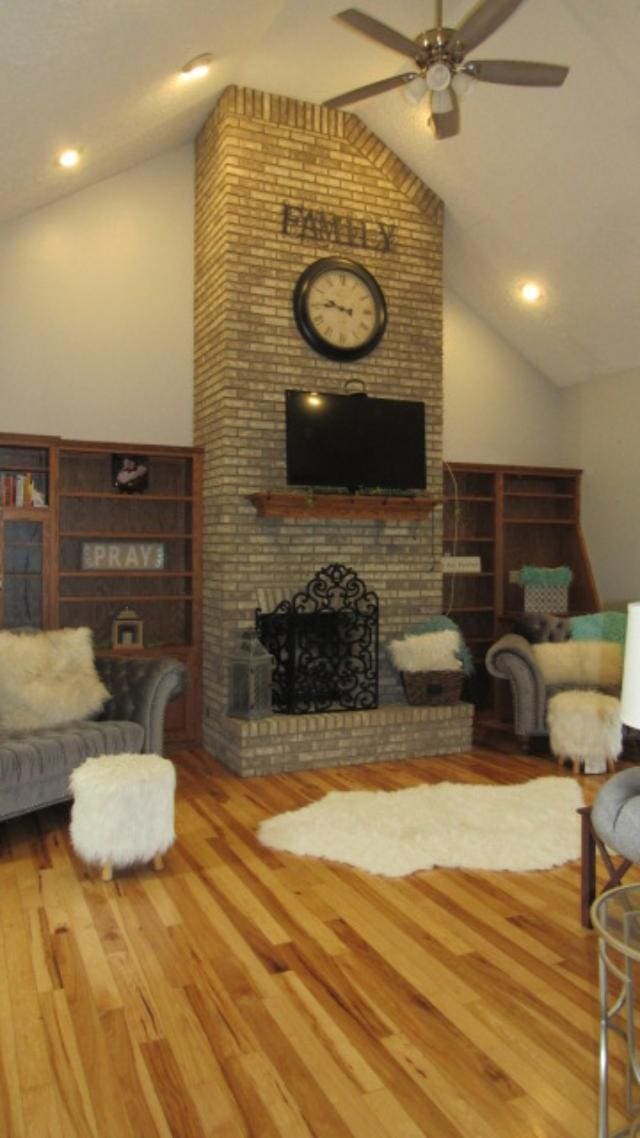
<point>545,589</point>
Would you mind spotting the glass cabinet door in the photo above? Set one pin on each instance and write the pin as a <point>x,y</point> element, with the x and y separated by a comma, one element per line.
<point>23,585</point>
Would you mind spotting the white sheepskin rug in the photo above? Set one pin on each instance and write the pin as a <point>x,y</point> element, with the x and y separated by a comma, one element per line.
<point>530,826</point>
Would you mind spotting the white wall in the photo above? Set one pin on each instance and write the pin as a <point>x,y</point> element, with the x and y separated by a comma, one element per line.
<point>600,422</point>
<point>96,310</point>
<point>497,407</point>
<point>96,327</point>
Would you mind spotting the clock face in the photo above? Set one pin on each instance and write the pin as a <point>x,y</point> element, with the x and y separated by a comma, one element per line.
<point>339,308</point>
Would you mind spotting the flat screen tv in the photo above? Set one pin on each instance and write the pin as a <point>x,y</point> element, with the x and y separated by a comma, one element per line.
<point>354,442</point>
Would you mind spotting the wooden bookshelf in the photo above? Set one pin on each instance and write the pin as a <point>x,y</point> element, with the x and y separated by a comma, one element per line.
<point>165,519</point>
<point>48,583</point>
<point>510,516</point>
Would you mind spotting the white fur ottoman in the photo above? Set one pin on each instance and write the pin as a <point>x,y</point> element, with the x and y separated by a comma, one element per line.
<point>585,727</point>
<point>123,810</point>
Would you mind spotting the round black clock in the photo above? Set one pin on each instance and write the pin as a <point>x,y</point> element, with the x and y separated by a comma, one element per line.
<point>339,308</point>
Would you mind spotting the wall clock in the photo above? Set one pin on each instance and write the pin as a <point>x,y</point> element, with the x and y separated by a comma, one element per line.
<point>339,308</point>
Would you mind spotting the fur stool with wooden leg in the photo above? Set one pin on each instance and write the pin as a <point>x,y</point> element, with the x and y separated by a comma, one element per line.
<point>123,810</point>
<point>585,730</point>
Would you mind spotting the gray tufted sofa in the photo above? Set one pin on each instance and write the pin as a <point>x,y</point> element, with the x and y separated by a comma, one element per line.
<point>35,765</point>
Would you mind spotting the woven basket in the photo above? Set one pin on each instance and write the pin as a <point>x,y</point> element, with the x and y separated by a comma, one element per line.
<point>432,688</point>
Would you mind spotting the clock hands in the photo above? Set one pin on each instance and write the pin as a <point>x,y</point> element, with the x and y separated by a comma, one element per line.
<point>340,307</point>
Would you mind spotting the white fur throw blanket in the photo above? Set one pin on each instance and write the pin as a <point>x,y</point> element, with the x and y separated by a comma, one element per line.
<point>48,678</point>
<point>427,652</point>
<point>586,662</point>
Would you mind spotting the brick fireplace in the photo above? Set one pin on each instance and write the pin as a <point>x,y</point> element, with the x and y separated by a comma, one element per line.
<point>279,184</point>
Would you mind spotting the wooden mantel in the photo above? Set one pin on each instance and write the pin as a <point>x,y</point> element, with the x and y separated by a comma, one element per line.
<point>365,507</point>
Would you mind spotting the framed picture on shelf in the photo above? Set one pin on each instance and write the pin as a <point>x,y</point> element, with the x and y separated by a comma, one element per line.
<point>130,473</point>
<point>126,630</point>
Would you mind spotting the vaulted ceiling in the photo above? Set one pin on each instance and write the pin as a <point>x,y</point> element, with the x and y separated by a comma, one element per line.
<point>541,183</point>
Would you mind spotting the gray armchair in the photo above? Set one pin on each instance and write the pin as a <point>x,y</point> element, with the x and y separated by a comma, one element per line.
<point>612,828</point>
<point>512,659</point>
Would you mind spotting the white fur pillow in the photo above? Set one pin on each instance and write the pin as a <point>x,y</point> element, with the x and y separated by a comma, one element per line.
<point>595,662</point>
<point>48,678</point>
<point>428,652</point>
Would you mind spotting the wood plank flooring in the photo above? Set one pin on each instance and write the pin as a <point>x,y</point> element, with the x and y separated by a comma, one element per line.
<point>242,993</point>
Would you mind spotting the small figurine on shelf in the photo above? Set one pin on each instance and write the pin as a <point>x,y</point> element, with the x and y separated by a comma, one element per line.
<point>126,630</point>
<point>130,473</point>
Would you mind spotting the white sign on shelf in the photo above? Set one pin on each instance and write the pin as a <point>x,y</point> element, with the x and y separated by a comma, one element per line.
<point>123,556</point>
<point>452,563</point>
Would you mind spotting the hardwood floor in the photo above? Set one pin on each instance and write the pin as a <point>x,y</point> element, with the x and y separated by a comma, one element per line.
<point>244,993</point>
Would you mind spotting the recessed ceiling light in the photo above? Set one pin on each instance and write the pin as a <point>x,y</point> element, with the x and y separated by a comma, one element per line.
<point>530,292</point>
<point>198,67</point>
<point>68,158</point>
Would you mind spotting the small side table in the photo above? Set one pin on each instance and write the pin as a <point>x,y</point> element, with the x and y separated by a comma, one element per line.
<point>616,918</point>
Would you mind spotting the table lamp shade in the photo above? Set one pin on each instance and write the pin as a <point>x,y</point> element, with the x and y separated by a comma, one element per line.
<point>630,697</point>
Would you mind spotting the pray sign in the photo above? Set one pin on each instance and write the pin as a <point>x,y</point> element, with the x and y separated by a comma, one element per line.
<point>123,555</point>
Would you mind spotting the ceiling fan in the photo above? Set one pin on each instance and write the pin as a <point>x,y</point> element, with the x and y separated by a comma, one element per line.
<point>442,71</point>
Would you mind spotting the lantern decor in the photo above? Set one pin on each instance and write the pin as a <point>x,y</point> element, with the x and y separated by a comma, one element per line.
<point>126,629</point>
<point>250,673</point>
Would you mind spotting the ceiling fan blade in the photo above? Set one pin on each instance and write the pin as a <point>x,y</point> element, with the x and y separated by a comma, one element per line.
<point>517,73</point>
<point>445,124</point>
<point>481,21</point>
<point>380,32</point>
<point>371,89</point>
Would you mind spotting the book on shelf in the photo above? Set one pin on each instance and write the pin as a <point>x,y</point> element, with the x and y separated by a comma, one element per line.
<point>23,490</point>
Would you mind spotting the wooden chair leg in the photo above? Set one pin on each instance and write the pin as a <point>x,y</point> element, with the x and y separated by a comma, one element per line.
<point>616,872</point>
<point>588,866</point>
<point>158,862</point>
<point>590,842</point>
<point>107,871</point>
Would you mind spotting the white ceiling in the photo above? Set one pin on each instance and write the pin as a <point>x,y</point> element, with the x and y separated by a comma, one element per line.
<point>542,183</point>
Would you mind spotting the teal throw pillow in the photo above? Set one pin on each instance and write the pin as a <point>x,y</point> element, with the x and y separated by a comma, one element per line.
<point>600,626</point>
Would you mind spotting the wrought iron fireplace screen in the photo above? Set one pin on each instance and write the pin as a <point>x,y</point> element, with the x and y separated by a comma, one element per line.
<point>325,645</point>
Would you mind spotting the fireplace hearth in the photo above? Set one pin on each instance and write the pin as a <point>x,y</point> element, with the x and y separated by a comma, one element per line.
<point>324,641</point>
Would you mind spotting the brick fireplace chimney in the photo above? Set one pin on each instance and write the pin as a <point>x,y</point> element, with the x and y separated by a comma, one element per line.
<point>279,184</point>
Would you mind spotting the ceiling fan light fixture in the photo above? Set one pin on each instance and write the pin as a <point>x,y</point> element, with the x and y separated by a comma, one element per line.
<point>197,67</point>
<point>416,90</point>
<point>462,83</point>
<point>441,102</point>
<point>438,76</point>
